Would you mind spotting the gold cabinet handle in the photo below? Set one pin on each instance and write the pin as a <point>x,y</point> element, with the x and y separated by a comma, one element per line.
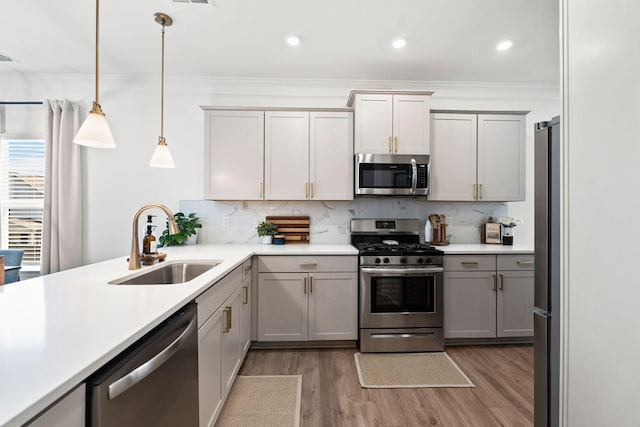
<point>395,140</point>
<point>227,312</point>
<point>260,190</point>
<point>311,190</point>
<point>474,192</point>
<point>469,262</point>
<point>306,190</point>
<point>304,285</point>
<point>245,298</point>
<point>308,264</point>
<point>493,280</point>
<point>390,146</point>
<point>310,285</point>
<point>480,192</point>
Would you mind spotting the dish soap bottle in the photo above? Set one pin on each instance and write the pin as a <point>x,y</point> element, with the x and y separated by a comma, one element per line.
<point>149,243</point>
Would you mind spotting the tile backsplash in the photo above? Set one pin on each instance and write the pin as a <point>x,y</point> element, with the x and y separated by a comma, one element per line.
<point>235,221</point>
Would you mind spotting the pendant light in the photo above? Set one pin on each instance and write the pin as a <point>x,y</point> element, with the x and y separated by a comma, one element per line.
<point>95,131</point>
<point>161,157</point>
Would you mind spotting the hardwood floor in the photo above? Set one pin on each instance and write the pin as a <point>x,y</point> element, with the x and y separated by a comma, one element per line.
<point>332,396</point>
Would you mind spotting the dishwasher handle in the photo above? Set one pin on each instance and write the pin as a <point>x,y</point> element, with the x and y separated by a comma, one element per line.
<point>123,384</point>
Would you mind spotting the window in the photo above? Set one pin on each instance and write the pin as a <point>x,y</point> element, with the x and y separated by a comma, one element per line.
<point>22,196</point>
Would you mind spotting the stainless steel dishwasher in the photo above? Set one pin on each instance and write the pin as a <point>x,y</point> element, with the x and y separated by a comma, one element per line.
<point>152,383</point>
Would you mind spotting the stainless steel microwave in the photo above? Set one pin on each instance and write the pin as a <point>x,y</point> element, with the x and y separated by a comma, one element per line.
<point>392,175</point>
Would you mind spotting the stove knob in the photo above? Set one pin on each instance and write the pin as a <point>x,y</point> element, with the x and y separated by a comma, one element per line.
<point>403,260</point>
<point>420,260</point>
<point>378,261</point>
<point>386,260</point>
<point>428,260</point>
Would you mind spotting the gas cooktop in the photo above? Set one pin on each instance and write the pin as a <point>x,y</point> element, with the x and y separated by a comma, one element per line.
<point>397,249</point>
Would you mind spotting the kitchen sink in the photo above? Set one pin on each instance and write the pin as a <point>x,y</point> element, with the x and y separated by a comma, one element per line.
<point>169,274</point>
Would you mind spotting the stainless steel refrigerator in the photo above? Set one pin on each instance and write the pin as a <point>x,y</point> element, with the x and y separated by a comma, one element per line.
<point>547,273</point>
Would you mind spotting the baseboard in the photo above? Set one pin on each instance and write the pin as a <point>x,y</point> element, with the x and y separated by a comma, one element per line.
<point>272,345</point>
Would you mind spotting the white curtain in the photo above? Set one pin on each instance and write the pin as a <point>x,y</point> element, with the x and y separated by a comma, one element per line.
<point>61,239</point>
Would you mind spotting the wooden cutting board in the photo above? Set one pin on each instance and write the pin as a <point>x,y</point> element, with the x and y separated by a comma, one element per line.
<point>295,229</point>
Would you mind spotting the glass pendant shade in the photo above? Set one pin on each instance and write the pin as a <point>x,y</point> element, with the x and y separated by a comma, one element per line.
<point>161,157</point>
<point>95,132</point>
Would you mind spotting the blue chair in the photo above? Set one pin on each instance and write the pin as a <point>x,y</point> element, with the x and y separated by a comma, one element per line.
<point>12,257</point>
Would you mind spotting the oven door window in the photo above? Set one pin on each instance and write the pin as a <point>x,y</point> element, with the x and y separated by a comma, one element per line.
<point>403,294</point>
<point>385,175</point>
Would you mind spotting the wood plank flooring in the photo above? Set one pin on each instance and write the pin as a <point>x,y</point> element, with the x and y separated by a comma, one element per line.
<point>332,396</point>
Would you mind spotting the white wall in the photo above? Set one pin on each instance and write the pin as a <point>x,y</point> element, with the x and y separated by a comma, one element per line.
<point>602,148</point>
<point>118,182</point>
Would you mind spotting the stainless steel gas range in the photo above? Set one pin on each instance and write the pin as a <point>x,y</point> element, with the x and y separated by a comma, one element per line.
<point>400,287</point>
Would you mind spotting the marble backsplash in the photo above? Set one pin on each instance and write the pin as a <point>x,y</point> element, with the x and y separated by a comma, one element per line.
<point>235,221</point>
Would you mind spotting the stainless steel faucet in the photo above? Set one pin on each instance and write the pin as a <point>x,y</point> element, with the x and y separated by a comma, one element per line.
<point>134,258</point>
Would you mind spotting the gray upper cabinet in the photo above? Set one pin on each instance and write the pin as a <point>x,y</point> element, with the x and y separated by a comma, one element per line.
<point>277,154</point>
<point>477,157</point>
<point>391,122</point>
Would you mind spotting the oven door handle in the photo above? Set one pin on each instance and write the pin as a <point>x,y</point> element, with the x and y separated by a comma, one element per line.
<point>420,271</point>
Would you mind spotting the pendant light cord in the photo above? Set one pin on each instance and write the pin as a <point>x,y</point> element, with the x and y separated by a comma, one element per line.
<point>162,89</point>
<point>97,40</point>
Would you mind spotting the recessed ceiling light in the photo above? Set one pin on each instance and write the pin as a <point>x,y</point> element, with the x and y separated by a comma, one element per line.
<point>399,43</point>
<point>293,40</point>
<point>504,45</point>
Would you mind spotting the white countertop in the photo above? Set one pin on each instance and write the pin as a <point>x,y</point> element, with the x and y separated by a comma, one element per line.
<point>477,248</point>
<point>58,329</point>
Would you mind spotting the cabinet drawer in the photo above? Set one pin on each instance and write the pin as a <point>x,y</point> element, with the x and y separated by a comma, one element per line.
<point>211,299</point>
<point>469,262</point>
<point>515,262</point>
<point>306,263</point>
<point>246,269</point>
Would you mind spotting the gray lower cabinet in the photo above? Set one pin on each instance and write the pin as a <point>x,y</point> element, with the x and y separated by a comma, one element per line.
<point>488,296</point>
<point>69,411</point>
<point>306,298</point>
<point>222,319</point>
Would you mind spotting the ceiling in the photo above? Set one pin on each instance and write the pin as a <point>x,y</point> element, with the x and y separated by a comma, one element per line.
<point>448,40</point>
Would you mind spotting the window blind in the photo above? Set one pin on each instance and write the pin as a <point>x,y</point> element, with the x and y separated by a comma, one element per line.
<point>22,196</point>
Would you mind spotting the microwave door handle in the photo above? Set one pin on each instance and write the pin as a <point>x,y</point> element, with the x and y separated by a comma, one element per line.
<point>428,178</point>
<point>414,176</point>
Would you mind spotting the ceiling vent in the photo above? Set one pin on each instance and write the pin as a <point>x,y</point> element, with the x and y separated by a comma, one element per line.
<point>5,58</point>
<point>211,2</point>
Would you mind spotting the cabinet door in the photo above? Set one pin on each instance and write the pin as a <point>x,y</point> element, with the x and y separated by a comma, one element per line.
<point>231,339</point>
<point>333,306</point>
<point>67,412</point>
<point>282,306</point>
<point>453,156</point>
<point>411,124</point>
<point>246,315</point>
<point>501,157</point>
<point>331,155</point>
<point>374,123</point>
<point>234,142</point>
<point>210,387</point>
<point>515,304</point>
<point>286,156</point>
<point>470,304</point>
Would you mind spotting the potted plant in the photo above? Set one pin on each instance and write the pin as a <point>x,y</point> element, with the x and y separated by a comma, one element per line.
<point>267,230</point>
<point>188,226</point>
